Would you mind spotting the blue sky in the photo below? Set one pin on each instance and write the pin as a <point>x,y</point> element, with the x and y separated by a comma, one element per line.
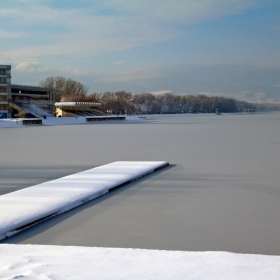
<point>215,47</point>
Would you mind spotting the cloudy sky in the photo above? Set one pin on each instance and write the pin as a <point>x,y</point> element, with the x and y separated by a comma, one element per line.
<point>214,47</point>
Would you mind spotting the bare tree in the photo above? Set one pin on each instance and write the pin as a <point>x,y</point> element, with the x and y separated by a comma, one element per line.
<point>64,87</point>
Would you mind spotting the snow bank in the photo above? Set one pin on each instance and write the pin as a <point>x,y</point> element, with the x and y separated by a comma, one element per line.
<point>24,208</point>
<point>10,123</point>
<point>57,262</point>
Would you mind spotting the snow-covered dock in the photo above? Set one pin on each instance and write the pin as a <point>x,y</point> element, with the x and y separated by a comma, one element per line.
<point>104,118</point>
<point>24,208</point>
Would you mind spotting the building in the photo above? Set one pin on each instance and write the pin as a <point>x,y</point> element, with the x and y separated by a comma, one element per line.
<point>75,109</point>
<point>5,91</point>
<point>18,101</point>
<point>30,101</point>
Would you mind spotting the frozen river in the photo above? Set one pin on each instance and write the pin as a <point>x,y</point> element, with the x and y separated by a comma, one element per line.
<point>221,192</point>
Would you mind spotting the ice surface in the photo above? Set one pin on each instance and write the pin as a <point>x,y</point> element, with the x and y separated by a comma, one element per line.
<point>58,262</point>
<point>23,208</point>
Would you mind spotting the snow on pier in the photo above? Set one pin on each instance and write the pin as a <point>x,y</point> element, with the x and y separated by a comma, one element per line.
<point>24,208</point>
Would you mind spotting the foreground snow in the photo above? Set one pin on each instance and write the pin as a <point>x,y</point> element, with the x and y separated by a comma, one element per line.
<point>24,208</point>
<point>58,262</point>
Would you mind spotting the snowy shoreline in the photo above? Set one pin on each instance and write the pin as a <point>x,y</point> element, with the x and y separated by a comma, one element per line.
<point>6,123</point>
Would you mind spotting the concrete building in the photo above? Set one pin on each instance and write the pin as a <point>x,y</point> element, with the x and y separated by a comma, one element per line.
<point>5,91</point>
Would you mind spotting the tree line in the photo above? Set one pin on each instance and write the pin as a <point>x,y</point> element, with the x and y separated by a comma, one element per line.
<point>122,102</point>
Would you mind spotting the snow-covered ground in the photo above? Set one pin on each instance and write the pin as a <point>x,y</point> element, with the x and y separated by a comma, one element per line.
<point>58,262</point>
<point>23,208</point>
<point>55,121</point>
<point>82,120</point>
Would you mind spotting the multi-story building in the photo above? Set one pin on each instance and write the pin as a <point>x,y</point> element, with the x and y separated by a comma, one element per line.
<point>5,91</point>
<point>17,101</point>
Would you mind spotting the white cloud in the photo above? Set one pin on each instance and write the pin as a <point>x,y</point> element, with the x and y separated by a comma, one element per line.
<point>27,66</point>
<point>10,35</point>
<point>134,74</point>
<point>160,92</point>
<point>85,31</point>
<point>186,11</point>
<point>73,71</point>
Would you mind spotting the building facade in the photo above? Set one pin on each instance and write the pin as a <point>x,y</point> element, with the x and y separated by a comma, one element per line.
<point>5,91</point>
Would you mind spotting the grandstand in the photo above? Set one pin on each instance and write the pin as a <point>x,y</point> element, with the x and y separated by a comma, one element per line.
<point>29,101</point>
<point>75,109</point>
<point>18,101</point>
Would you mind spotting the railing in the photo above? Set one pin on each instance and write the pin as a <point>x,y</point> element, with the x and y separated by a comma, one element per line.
<point>35,110</point>
<point>75,104</point>
<point>21,111</point>
<point>36,102</point>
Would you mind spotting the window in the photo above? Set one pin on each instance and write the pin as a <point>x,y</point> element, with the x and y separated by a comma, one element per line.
<point>2,71</point>
<point>3,80</point>
<point>3,89</point>
<point>3,97</point>
<point>3,107</point>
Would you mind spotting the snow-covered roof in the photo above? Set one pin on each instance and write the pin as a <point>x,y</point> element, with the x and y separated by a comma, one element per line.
<point>77,104</point>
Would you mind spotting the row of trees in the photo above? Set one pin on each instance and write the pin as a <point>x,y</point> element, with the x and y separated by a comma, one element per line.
<point>122,102</point>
